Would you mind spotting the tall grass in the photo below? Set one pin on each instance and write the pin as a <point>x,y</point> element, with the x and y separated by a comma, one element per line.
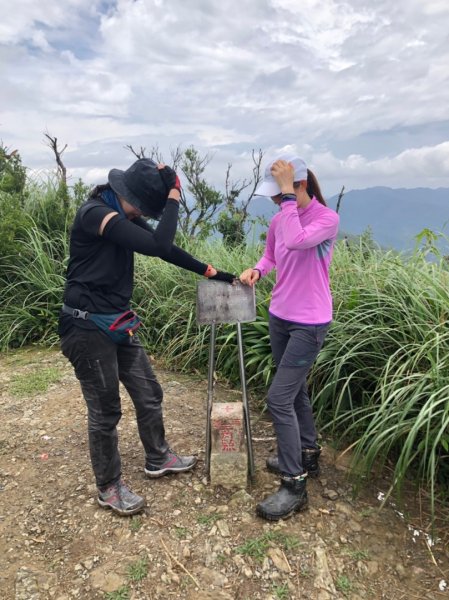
<point>382,380</point>
<point>31,285</point>
<point>380,383</point>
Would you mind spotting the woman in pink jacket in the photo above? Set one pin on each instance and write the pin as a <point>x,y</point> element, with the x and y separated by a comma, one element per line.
<point>299,246</point>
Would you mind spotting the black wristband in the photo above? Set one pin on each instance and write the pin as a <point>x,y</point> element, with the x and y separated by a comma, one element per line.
<point>288,197</point>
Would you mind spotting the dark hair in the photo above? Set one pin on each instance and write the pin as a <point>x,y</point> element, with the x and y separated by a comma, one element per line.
<point>313,187</point>
<point>98,189</point>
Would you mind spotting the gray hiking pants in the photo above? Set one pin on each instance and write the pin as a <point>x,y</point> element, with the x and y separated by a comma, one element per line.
<point>295,348</point>
<point>100,365</point>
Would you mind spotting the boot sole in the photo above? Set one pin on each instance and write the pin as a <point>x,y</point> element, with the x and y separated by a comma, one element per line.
<point>162,472</point>
<point>118,511</point>
<point>271,517</point>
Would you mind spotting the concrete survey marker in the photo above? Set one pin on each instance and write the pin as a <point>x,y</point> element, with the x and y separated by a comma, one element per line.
<point>226,463</point>
<point>220,302</point>
<point>228,459</point>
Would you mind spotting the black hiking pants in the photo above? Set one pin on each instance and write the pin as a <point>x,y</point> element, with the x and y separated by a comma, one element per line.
<point>100,365</point>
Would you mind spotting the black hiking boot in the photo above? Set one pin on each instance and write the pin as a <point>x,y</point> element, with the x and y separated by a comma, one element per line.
<point>310,462</point>
<point>291,497</point>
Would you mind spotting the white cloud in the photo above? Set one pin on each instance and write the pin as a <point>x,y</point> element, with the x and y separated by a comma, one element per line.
<point>414,167</point>
<point>229,76</point>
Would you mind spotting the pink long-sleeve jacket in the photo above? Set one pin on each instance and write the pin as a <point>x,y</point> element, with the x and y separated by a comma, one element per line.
<point>299,246</point>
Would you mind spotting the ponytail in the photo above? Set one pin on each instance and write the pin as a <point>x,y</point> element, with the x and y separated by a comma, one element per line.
<point>313,187</point>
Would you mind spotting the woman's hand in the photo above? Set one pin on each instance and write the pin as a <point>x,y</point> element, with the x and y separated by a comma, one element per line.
<point>284,174</point>
<point>171,181</point>
<point>250,276</point>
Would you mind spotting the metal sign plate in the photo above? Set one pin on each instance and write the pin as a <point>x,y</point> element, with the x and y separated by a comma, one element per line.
<point>220,302</point>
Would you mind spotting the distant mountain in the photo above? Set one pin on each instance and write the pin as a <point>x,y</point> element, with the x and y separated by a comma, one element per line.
<point>395,216</point>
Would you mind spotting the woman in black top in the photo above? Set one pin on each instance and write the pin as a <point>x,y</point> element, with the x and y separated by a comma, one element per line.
<point>107,230</point>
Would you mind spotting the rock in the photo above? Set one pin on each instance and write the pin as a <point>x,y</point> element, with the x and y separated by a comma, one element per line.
<point>247,572</point>
<point>400,570</point>
<point>223,529</point>
<point>323,579</point>
<point>26,585</point>
<point>105,580</point>
<point>279,559</point>
<point>331,494</point>
<point>372,567</point>
<point>343,507</point>
<point>212,577</point>
<point>354,525</point>
<point>241,497</point>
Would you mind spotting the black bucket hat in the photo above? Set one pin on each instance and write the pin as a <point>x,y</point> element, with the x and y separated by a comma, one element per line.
<point>141,185</point>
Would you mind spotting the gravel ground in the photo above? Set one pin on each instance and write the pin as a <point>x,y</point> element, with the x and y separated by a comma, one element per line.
<point>192,541</point>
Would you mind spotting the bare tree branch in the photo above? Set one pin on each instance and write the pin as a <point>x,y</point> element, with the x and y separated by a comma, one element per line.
<point>137,153</point>
<point>340,196</point>
<point>53,144</point>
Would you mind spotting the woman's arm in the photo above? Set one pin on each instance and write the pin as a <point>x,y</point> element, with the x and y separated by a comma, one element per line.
<point>297,237</point>
<point>145,241</point>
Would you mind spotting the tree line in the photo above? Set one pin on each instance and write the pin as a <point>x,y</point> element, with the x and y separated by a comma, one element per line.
<point>204,209</point>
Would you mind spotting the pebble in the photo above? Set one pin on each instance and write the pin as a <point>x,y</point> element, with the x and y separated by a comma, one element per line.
<point>223,528</point>
<point>330,494</point>
<point>400,570</point>
<point>372,567</point>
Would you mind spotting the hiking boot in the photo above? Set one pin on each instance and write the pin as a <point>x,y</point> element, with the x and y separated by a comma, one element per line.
<point>310,463</point>
<point>120,499</point>
<point>310,457</point>
<point>171,463</point>
<point>291,497</point>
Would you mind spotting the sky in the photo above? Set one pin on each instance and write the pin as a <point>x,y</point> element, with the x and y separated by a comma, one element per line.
<point>359,89</point>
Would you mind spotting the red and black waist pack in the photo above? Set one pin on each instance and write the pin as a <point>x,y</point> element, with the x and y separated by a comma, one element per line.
<point>120,327</point>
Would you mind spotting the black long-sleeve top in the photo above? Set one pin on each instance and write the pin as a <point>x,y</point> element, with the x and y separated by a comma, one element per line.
<point>100,271</point>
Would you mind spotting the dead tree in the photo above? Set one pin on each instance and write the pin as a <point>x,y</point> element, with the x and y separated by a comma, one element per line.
<point>52,142</point>
<point>340,196</point>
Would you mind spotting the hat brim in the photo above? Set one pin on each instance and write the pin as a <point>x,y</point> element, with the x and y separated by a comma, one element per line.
<point>116,180</point>
<point>268,188</point>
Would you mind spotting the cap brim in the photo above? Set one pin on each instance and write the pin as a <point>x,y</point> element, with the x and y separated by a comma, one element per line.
<point>267,188</point>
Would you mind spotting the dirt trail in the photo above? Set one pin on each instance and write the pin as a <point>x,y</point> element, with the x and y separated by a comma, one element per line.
<point>192,541</point>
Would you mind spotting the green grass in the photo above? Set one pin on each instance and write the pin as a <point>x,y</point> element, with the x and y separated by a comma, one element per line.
<point>358,554</point>
<point>208,519</point>
<point>123,593</point>
<point>343,584</point>
<point>182,532</point>
<point>281,592</point>
<point>35,382</point>
<point>257,547</point>
<point>135,524</point>
<point>138,570</point>
<point>380,383</point>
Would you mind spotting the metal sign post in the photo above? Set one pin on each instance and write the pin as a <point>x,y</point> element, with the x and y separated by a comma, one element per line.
<point>219,302</point>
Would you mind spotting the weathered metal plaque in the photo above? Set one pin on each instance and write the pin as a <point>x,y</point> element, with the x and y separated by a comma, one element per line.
<point>220,302</point>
